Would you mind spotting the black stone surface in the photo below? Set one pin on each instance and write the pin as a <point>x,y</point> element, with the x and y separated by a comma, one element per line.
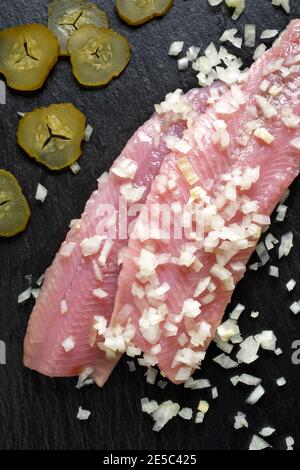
<point>40,413</point>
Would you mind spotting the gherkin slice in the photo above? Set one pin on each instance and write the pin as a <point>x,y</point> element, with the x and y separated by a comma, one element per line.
<point>67,16</point>
<point>137,12</point>
<point>53,135</point>
<point>98,55</point>
<point>27,54</point>
<point>14,209</point>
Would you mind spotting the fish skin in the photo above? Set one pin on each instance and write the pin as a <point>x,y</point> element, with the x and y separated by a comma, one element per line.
<point>279,166</point>
<point>72,279</point>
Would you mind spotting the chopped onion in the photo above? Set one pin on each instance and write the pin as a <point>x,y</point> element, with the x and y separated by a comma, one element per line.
<point>88,133</point>
<point>257,393</point>
<point>84,378</point>
<point>270,241</point>
<point>83,415</point>
<point>289,442</point>
<point>248,379</point>
<point>285,4</point>
<point>186,413</point>
<point>25,295</point>
<point>75,168</point>
<point>63,307</point>
<point>214,3</point>
<point>225,361</point>
<point>35,292</point>
<point>281,212</point>
<point>290,285</point>
<point>281,381</point>
<point>68,344</point>
<point>214,393</point>
<point>90,246</point>
<point>278,351</point>
<point>295,307</point>
<point>67,249</point>
<point>262,253</point>
<point>273,271</point>
<point>239,6</point>
<point>240,421</point>
<point>41,193</point>
<point>203,406</point>
<point>164,413</point>
<point>254,314</point>
<point>236,312</point>
<point>250,35</point>
<point>148,406</point>
<point>267,431</point>
<point>151,375</point>
<point>286,244</point>
<point>183,63</point>
<point>269,33</point>
<point>248,350</point>
<point>264,135</point>
<point>100,293</point>
<point>257,443</point>
<point>266,340</point>
<point>199,417</point>
<point>196,384</point>
<point>175,48</point>
<point>259,51</point>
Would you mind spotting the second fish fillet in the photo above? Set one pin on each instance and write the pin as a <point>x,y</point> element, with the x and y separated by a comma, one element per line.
<point>80,285</point>
<point>231,168</point>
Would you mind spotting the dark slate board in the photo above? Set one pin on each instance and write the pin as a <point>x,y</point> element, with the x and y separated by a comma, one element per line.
<point>39,413</point>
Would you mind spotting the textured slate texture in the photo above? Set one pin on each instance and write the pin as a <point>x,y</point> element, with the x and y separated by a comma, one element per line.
<point>39,413</point>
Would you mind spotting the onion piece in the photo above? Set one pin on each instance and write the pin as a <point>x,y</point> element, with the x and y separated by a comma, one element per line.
<point>164,413</point>
<point>269,33</point>
<point>88,133</point>
<point>131,366</point>
<point>225,361</point>
<point>267,431</point>
<point>257,393</point>
<point>25,295</point>
<point>186,413</point>
<point>259,51</point>
<point>41,193</point>
<point>250,35</point>
<point>75,168</point>
<point>295,307</point>
<point>281,381</point>
<point>240,421</point>
<point>2,92</point>
<point>83,415</point>
<point>148,406</point>
<point>290,285</point>
<point>162,384</point>
<point>254,314</point>
<point>257,443</point>
<point>285,4</point>
<point>175,48</point>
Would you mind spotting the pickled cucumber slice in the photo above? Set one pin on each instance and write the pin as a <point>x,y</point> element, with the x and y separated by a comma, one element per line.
<point>27,54</point>
<point>97,55</point>
<point>136,12</point>
<point>53,135</point>
<point>14,209</point>
<point>67,16</point>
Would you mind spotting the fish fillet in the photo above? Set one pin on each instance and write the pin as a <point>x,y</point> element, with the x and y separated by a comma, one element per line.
<point>235,163</point>
<point>60,339</point>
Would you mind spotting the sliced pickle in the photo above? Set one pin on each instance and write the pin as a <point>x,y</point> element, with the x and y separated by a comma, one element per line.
<point>98,55</point>
<point>14,208</point>
<point>67,16</point>
<point>136,12</point>
<point>53,135</point>
<point>27,54</point>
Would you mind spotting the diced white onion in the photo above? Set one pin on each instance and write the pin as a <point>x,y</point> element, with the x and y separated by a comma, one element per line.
<point>290,285</point>
<point>257,393</point>
<point>164,413</point>
<point>68,344</point>
<point>175,48</point>
<point>257,443</point>
<point>267,431</point>
<point>225,361</point>
<point>269,33</point>
<point>88,133</point>
<point>83,415</point>
<point>295,307</point>
<point>250,35</point>
<point>75,168</point>
<point>259,51</point>
<point>186,413</point>
<point>286,244</point>
<point>273,271</point>
<point>281,381</point>
<point>25,295</point>
<point>240,421</point>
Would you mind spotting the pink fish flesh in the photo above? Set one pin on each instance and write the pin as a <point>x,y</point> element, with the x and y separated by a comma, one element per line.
<point>78,287</point>
<point>237,161</point>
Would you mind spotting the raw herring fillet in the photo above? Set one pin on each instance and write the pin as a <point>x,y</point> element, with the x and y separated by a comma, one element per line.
<point>244,153</point>
<point>66,306</point>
